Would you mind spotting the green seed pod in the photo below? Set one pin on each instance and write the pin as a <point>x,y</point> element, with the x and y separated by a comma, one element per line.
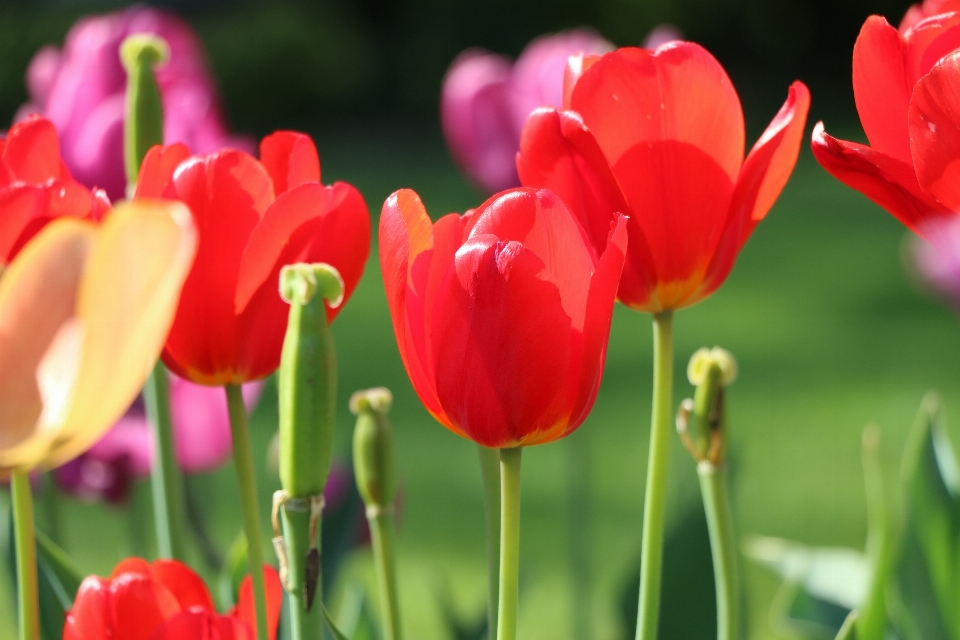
<point>143,122</point>
<point>373,458</point>
<point>307,384</point>
<point>711,370</point>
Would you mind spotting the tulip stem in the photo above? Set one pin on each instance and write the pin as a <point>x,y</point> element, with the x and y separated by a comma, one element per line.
<point>165,476</point>
<point>490,475</point>
<point>723,546</point>
<point>247,484</point>
<point>301,536</point>
<point>26,546</point>
<point>509,543</point>
<point>381,535</point>
<point>578,530</point>
<point>654,505</point>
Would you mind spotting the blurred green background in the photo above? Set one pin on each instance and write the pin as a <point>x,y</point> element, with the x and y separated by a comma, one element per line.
<point>829,330</point>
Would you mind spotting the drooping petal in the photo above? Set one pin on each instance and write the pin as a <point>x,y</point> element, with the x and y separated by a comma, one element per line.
<point>138,606</point>
<point>291,160</point>
<point>89,617</point>
<point>886,181</point>
<point>125,305</point>
<point>881,87</point>
<point>185,585</point>
<point>502,343</point>
<point>245,610</point>
<point>935,131</point>
<point>157,169</point>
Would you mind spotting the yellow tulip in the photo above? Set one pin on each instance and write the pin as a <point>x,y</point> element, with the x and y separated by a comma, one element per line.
<point>84,313</point>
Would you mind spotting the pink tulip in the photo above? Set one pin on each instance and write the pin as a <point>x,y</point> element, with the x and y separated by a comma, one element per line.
<point>937,262</point>
<point>81,89</point>
<point>201,433</point>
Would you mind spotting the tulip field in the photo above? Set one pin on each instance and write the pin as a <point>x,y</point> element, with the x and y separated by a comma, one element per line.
<point>615,348</point>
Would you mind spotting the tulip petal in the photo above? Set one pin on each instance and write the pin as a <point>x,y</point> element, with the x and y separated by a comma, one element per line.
<point>185,585</point>
<point>32,153</point>
<point>89,617</point>
<point>935,132</point>
<point>502,344</point>
<point>291,160</point>
<point>157,169</point>
<point>138,606</point>
<point>126,302</point>
<point>38,294</point>
<point>135,566</point>
<point>885,180</point>
<point>927,42</point>
<point>245,610</point>
<point>202,625</point>
<point>576,65</point>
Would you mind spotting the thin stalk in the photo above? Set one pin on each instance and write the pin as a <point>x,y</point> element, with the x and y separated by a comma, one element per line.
<point>247,484</point>
<point>165,475</point>
<point>304,625</point>
<point>509,543</point>
<point>654,506</point>
<point>723,547</point>
<point>490,474</point>
<point>137,513</point>
<point>578,528</point>
<point>381,534</point>
<point>26,546</point>
<point>51,507</point>
<point>194,495</point>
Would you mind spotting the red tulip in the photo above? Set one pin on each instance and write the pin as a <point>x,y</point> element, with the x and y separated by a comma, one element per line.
<point>659,136</point>
<point>902,85</point>
<point>36,187</point>
<point>254,217</point>
<point>501,315</point>
<point>926,9</point>
<point>164,600</point>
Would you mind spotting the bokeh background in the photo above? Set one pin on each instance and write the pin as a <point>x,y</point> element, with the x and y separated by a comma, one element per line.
<point>830,330</point>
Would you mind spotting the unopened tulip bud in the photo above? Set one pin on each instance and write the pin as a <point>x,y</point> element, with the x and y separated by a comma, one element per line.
<point>373,458</point>
<point>143,124</point>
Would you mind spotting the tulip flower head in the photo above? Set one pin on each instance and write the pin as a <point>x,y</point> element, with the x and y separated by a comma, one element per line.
<point>84,311</point>
<point>501,315</point>
<point>904,84</point>
<point>659,136</point>
<point>164,600</point>
<point>36,186</point>
<point>81,89</point>
<point>254,217</point>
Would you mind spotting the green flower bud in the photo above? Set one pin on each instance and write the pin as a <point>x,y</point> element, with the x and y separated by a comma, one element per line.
<point>143,121</point>
<point>373,458</point>
<point>307,384</point>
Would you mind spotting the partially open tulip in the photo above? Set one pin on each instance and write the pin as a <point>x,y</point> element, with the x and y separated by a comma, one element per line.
<point>84,311</point>
<point>659,136</point>
<point>254,217</point>
<point>36,187</point>
<point>904,89</point>
<point>164,600</point>
<point>486,99</point>
<point>501,315</point>
<point>81,89</point>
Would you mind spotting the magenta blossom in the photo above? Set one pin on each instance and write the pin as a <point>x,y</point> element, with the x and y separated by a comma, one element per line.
<point>201,433</point>
<point>81,90</point>
<point>937,262</point>
<point>486,99</point>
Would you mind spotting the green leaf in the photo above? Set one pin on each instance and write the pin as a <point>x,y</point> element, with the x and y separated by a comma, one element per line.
<point>233,571</point>
<point>872,620</point>
<point>930,564</point>
<point>62,572</point>
<point>339,635</point>
<point>849,629</point>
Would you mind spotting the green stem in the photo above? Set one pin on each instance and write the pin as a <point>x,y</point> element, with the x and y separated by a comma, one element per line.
<point>654,506</point>
<point>165,475</point>
<point>247,484</point>
<point>381,533</point>
<point>578,528</point>
<point>490,475</point>
<point>27,589</point>
<point>723,547</point>
<point>137,513</point>
<point>509,543</point>
<point>305,625</point>
<point>51,507</point>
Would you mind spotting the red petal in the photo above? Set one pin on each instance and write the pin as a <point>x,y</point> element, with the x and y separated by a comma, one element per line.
<point>310,224</point>
<point>886,181</point>
<point>227,193</point>
<point>32,152</point>
<point>576,65</point>
<point>415,256</point>
<point>185,585</point>
<point>246,611</point>
<point>89,617</point>
<point>202,625</point>
<point>291,160</point>
<point>157,169</point>
<point>138,606</point>
<point>134,566</point>
<point>928,41</point>
<point>881,87</point>
<point>935,131</point>
<point>558,153</point>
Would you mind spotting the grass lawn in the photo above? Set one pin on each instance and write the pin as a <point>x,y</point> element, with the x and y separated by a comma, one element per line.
<point>829,333</point>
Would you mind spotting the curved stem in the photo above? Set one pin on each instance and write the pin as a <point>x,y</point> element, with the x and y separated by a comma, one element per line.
<point>509,543</point>
<point>165,476</point>
<point>654,505</point>
<point>247,484</point>
<point>381,534</point>
<point>26,544</point>
<point>490,474</point>
<point>723,547</point>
